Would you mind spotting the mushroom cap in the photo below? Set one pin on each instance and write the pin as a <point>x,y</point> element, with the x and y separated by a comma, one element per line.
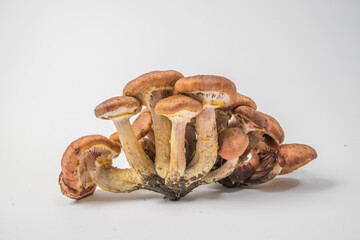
<point>244,170</point>
<point>209,89</point>
<point>178,106</point>
<point>74,180</point>
<point>242,100</point>
<point>293,156</point>
<point>274,128</point>
<point>254,116</point>
<point>233,142</point>
<point>149,80</point>
<point>117,106</point>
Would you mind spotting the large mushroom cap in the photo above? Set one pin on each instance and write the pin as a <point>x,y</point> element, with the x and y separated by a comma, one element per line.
<point>209,89</point>
<point>250,114</point>
<point>78,159</point>
<point>117,106</point>
<point>293,156</point>
<point>178,106</point>
<point>150,80</point>
<point>233,142</point>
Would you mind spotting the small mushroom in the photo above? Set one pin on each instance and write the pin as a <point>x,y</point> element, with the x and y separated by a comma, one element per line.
<point>233,143</point>
<point>83,166</point>
<point>294,156</point>
<point>180,110</point>
<point>150,88</point>
<point>119,110</point>
<point>212,91</point>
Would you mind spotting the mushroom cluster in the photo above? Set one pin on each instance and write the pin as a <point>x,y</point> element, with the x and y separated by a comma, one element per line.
<point>194,130</point>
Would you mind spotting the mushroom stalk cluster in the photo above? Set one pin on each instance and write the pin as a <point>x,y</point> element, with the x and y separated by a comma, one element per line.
<point>194,130</point>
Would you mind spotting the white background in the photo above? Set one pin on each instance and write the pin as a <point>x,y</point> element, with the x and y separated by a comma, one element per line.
<point>299,60</point>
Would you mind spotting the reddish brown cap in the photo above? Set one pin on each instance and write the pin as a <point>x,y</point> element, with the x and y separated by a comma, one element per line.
<point>150,80</point>
<point>242,100</point>
<point>210,89</point>
<point>117,106</point>
<point>274,129</point>
<point>78,159</point>
<point>115,137</point>
<point>178,106</point>
<point>293,156</point>
<point>254,116</point>
<point>245,170</point>
<point>232,143</point>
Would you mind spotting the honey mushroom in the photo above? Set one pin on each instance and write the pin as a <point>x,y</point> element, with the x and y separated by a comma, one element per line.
<point>86,163</point>
<point>293,156</point>
<point>180,110</point>
<point>119,110</point>
<point>261,167</point>
<point>212,91</point>
<point>150,88</point>
<point>233,143</point>
<point>239,100</point>
<point>268,168</point>
<point>195,130</point>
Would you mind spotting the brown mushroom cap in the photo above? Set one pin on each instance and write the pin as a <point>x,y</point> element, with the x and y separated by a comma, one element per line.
<point>274,128</point>
<point>150,80</point>
<point>78,159</point>
<point>293,156</point>
<point>115,137</point>
<point>244,170</point>
<point>242,100</point>
<point>254,116</point>
<point>117,106</point>
<point>233,142</point>
<point>178,106</point>
<point>209,89</point>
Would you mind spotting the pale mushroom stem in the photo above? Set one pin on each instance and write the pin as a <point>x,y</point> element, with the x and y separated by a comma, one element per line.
<point>113,179</point>
<point>134,153</point>
<point>206,145</point>
<point>177,154</point>
<point>162,132</point>
<point>222,172</point>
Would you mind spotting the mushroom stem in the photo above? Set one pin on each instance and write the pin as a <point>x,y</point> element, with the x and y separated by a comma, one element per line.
<point>177,156</point>
<point>113,179</point>
<point>222,172</point>
<point>206,145</point>
<point>134,153</point>
<point>162,132</point>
